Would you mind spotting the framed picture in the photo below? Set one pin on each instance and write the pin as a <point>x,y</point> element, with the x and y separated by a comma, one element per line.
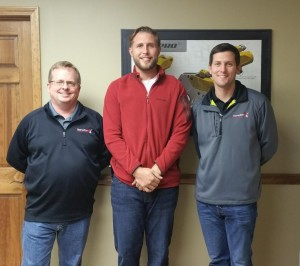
<point>185,54</point>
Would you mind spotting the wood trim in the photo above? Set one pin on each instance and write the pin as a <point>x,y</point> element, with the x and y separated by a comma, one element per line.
<point>267,179</point>
<point>36,57</point>
<point>281,179</point>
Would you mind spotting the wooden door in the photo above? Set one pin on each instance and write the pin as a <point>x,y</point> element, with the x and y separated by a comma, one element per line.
<point>20,92</point>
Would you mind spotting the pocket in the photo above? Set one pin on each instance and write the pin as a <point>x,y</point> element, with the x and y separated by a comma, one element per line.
<point>115,180</point>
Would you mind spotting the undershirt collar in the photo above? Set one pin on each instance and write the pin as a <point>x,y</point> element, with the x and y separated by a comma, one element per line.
<point>149,82</point>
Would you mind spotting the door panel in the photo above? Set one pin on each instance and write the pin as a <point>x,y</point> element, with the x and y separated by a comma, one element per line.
<point>9,43</point>
<point>20,93</point>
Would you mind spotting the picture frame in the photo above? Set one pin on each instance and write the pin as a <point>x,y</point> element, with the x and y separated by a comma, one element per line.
<point>189,51</point>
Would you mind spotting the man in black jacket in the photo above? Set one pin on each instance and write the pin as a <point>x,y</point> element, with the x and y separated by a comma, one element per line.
<point>61,151</point>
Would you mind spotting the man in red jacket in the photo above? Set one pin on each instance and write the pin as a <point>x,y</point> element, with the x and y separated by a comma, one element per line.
<point>146,126</point>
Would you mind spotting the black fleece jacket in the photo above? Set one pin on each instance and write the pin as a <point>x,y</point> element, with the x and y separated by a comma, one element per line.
<point>61,166</point>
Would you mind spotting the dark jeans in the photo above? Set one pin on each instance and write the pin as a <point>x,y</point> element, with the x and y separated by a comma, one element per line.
<point>137,213</point>
<point>228,232</point>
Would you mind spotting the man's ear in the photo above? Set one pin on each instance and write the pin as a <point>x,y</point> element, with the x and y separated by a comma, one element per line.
<point>209,69</point>
<point>48,87</point>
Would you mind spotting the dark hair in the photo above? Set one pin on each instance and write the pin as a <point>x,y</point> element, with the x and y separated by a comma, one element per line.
<point>224,47</point>
<point>144,29</point>
<point>64,64</point>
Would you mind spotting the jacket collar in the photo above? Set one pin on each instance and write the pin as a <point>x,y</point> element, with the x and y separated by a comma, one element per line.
<point>161,73</point>
<point>241,95</point>
<point>80,112</point>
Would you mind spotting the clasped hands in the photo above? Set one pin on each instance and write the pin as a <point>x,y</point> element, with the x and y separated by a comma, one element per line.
<point>147,179</point>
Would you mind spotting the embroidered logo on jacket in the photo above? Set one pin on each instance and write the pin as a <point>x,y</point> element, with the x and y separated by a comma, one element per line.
<point>85,130</point>
<point>242,115</point>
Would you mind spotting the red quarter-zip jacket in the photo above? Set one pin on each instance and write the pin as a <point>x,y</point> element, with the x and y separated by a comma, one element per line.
<point>142,129</point>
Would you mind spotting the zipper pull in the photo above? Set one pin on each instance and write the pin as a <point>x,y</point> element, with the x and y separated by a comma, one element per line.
<point>221,118</point>
<point>64,138</point>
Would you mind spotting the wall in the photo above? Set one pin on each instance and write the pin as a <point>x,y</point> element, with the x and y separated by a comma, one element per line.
<point>87,33</point>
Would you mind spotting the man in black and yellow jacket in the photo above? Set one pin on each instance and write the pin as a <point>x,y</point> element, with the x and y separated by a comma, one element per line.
<point>235,133</point>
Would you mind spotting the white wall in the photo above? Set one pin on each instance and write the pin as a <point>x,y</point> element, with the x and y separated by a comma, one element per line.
<point>87,33</point>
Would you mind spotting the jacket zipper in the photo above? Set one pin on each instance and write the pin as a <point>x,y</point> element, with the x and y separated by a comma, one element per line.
<point>220,120</point>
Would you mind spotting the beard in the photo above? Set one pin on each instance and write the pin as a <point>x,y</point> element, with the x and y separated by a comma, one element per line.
<point>145,67</point>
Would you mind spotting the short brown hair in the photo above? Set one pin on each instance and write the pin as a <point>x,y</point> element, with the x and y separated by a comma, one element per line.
<point>64,64</point>
<point>144,29</point>
<point>224,47</point>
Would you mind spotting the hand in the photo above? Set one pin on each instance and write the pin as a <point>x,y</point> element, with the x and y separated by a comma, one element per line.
<point>156,169</point>
<point>146,179</point>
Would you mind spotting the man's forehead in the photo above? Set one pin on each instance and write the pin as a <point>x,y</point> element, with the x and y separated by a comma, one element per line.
<point>222,55</point>
<point>63,69</point>
<point>144,37</point>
